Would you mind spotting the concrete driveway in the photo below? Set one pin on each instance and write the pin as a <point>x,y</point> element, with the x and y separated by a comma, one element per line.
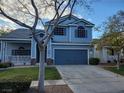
<point>91,79</point>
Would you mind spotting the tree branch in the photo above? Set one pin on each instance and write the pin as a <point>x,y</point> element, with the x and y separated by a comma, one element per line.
<point>72,7</point>
<point>14,20</point>
<point>56,23</point>
<point>36,14</point>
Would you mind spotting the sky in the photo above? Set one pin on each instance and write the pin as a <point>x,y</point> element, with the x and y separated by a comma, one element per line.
<point>101,10</point>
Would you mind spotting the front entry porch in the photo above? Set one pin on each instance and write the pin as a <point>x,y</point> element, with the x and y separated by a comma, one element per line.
<point>16,52</point>
<point>21,60</point>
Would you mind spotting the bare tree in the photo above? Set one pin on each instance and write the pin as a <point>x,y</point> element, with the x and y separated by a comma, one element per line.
<point>27,13</point>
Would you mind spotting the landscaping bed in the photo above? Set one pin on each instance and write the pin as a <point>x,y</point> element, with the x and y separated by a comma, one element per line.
<point>58,89</point>
<point>19,79</point>
<point>115,70</point>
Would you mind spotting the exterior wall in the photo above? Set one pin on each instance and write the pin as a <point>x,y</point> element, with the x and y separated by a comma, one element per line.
<point>70,27</point>
<point>80,40</point>
<point>103,55</point>
<point>62,38</point>
<point>69,37</point>
<point>81,47</point>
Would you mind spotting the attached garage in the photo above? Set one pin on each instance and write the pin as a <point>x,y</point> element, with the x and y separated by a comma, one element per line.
<point>70,57</point>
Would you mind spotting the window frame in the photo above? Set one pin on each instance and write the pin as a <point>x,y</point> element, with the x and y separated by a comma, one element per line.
<point>81,32</point>
<point>61,31</point>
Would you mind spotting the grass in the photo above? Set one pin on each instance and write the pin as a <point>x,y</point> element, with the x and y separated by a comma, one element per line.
<point>28,74</point>
<point>115,70</point>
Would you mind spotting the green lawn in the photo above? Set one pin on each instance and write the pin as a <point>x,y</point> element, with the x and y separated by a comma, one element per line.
<point>114,69</point>
<point>28,74</point>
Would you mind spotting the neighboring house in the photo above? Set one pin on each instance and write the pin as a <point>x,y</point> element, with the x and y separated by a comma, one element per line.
<point>70,44</point>
<point>106,54</point>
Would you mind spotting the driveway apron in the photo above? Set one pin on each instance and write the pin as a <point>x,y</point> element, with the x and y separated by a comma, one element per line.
<point>91,79</point>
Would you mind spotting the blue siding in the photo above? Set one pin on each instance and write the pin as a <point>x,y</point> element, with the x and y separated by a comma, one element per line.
<point>71,26</point>
<point>62,38</point>
<point>70,57</point>
<point>81,40</point>
<point>70,36</point>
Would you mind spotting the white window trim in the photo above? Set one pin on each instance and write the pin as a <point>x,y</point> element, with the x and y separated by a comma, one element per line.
<point>69,44</point>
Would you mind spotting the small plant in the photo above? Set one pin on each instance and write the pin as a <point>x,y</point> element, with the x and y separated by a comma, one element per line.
<point>16,85</point>
<point>94,61</point>
<point>108,61</point>
<point>115,61</point>
<point>3,65</point>
<point>49,61</point>
<point>6,64</point>
<point>33,62</point>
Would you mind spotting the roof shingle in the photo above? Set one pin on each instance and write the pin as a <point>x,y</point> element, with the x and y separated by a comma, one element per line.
<point>20,34</point>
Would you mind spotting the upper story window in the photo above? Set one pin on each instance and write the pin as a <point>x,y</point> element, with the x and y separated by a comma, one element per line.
<point>81,32</point>
<point>59,31</point>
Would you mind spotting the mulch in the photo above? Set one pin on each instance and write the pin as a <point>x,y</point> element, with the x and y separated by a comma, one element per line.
<point>107,64</point>
<point>54,89</point>
<point>58,89</point>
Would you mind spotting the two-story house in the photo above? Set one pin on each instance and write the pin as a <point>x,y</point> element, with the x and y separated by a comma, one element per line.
<point>69,45</point>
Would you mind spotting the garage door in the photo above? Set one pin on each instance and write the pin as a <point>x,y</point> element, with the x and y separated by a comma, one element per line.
<point>70,57</point>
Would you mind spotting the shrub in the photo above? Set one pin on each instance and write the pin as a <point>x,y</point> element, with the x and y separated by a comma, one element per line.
<point>6,64</point>
<point>115,61</point>
<point>19,84</point>
<point>2,65</point>
<point>94,61</point>
<point>49,61</point>
<point>14,87</point>
<point>108,61</point>
<point>9,64</point>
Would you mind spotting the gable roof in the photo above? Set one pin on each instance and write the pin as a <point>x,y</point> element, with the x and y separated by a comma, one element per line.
<point>19,34</point>
<point>83,20</point>
<point>66,17</point>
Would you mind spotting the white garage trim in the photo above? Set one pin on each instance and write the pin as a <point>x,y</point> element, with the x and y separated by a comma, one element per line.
<point>77,44</point>
<point>71,49</point>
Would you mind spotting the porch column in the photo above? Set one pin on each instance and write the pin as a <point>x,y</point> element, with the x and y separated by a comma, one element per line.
<point>33,51</point>
<point>49,49</point>
<point>3,51</point>
<point>104,54</point>
<point>1,54</point>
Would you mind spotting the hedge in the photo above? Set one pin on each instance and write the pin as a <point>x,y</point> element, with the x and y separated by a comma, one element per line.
<point>94,61</point>
<point>19,84</point>
<point>6,64</point>
<point>14,87</point>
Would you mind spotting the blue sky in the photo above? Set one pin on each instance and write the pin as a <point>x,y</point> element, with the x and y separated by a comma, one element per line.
<point>101,10</point>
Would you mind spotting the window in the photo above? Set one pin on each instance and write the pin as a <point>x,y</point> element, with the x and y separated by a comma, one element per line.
<point>81,32</point>
<point>21,51</point>
<point>59,31</point>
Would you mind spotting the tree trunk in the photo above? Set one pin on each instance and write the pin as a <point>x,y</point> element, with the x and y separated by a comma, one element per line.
<point>41,71</point>
<point>118,63</point>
